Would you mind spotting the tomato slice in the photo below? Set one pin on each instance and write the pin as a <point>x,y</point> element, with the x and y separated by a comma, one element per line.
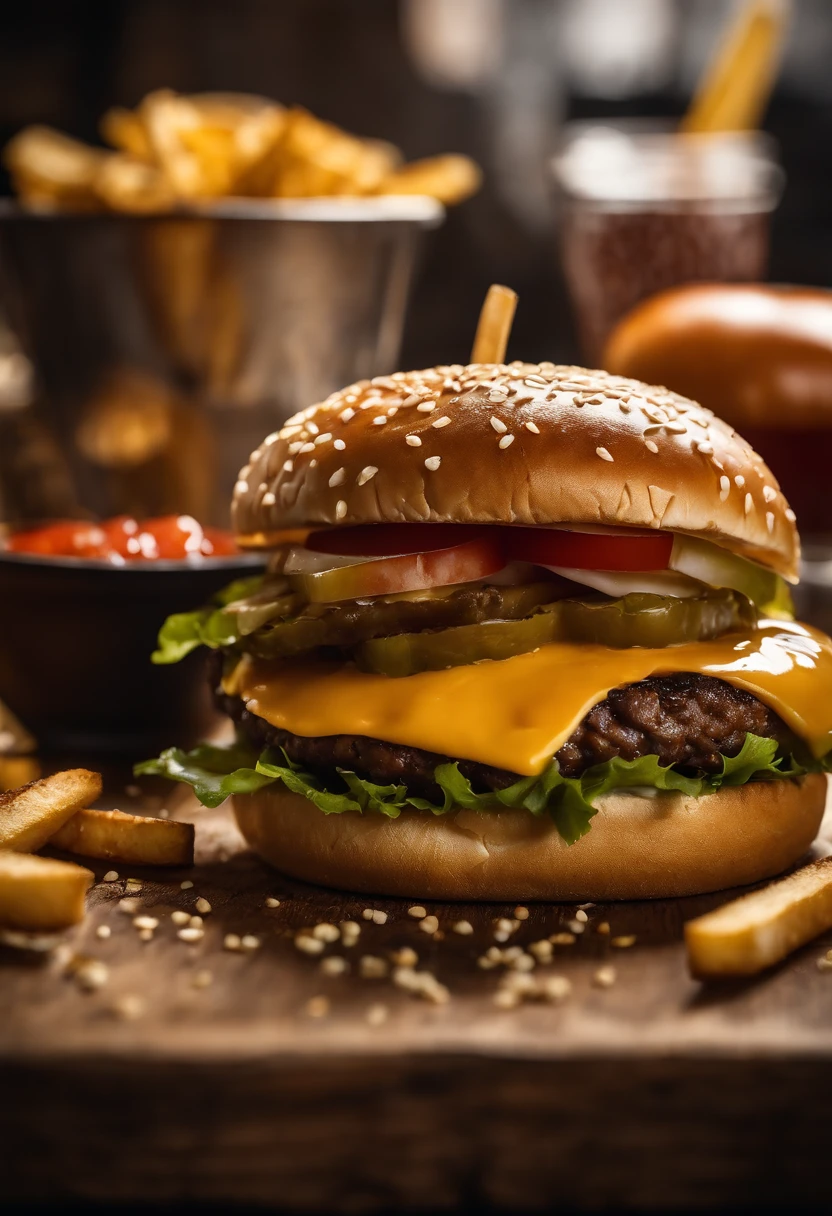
<point>624,550</point>
<point>478,558</point>
<point>391,540</point>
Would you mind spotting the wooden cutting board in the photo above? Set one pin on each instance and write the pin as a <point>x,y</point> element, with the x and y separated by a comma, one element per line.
<point>165,1085</point>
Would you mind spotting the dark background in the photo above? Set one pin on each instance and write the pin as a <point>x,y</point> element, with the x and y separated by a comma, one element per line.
<point>391,69</point>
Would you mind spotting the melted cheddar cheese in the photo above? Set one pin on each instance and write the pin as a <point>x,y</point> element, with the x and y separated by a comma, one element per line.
<point>517,712</point>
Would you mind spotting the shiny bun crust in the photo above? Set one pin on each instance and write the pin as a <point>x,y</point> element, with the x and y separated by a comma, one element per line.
<point>637,848</point>
<point>532,444</point>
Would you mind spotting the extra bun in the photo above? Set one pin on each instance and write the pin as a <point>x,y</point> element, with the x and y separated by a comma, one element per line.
<point>532,444</point>
<point>637,848</point>
<point>760,355</point>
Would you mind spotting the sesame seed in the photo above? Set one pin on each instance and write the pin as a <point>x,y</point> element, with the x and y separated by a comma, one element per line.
<point>603,453</point>
<point>346,414</point>
<point>145,922</point>
<point>288,465</point>
<point>371,967</point>
<point>324,932</point>
<point>749,504</point>
<point>506,441</point>
<point>269,500</point>
<point>334,965</point>
<point>499,426</point>
<point>325,438</point>
<point>497,396</point>
<point>92,974</point>
<point>103,931</point>
<point>604,977</point>
<point>413,440</point>
<point>134,884</point>
<point>313,464</point>
<point>405,957</point>
<point>556,988</point>
<point>306,447</point>
<point>110,876</point>
<point>249,942</point>
<point>542,950</point>
<point>179,917</point>
<point>432,463</point>
<point>241,487</point>
<point>308,944</point>
<point>317,1007</point>
<point>271,902</point>
<point>367,914</point>
<point>231,941</point>
<point>429,925</point>
<point>417,912</point>
<point>270,439</point>
<point>724,488</point>
<point>426,407</point>
<point>129,905</point>
<point>581,916</point>
<point>196,922</point>
<point>339,445</point>
<point>463,927</point>
<point>295,447</point>
<point>312,427</point>
<point>769,493</point>
<point>704,448</point>
<point>533,427</point>
<point>770,521</point>
<point>413,399</point>
<point>190,933</point>
<point>651,446</point>
<point>562,939</point>
<point>603,927</point>
<point>379,420</point>
<point>790,515</point>
<point>379,917</point>
<point>186,885</point>
<point>366,474</point>
<point>337,478</point>
<point>340,509</point>
<point>350,932</point>
<point>440,422</point>
<point>576,926</point>
<point>623,941</point>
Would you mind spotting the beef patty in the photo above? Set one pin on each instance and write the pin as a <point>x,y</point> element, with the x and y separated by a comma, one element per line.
<point>686,720</point>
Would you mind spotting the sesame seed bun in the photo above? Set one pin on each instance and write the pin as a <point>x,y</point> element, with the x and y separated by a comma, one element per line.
<point>528,444</point>
<point>637,848</point>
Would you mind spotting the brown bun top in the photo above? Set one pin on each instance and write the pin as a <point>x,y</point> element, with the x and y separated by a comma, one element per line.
<point>756,355</point>
<point>530,444</point>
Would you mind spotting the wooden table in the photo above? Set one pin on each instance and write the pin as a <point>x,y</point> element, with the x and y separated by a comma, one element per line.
<point>650,1093</point>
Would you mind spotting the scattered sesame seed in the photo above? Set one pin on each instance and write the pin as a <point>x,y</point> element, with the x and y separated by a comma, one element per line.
<point>576,926</point>
<point>438,423</point>
<point>231,941</point>
<point>823,964</point>
<point>463,927</point>
<point>103,931</point>
<point>417,912</point>
<point>562,939</point>
<point>110,876</point>
<point>191,933</point>
<point>145,922</point>
<point>724,488</point>
<point>533,427</point>
<point>308,944</point>
<point>651,446</point>
<point>367,914</point>
<point>346,414</point>
<point>134,884</point>
<point>498,424</point>
<point>556,988</point>
<point>504,925</point>
<point>325,932</point>
<point>379,420</point>
<point>340,509</point>
<point>506,441</point>
<point>339,445</point>
<point>317,1007</point>
<point>521,912</point>
<point>429,925</point>
<point>426,407</point>
<point>623,941</point>
<point>306,447</point>
<point>421,983</point>
<point>179,917</point>
<point>739,481</point>
<point>91,974</point>
<point>603,927</point>
<point>202,906</point>
<point>371,967</point>
<point>249,942</point>
<point>432,463</point>
<point>334,965</point>
<point>312,428</point>
<point>323,438</point>
<point>202,979</point>
<point>241,487</point>
<point>145,935</point>
<point>542,950</point>
<point>405,956</point>
<point>377,1015</point>
<point>604,977</point>
<point>581,916</point>
<point>413,440</point>
<point>350,932</point>
<point>186,885</point>
<point>337,478</point>
<point>769,493</point>
<point>603,453</point>
<point>379,917</point>
<point>770,521</point>
<point>749,504</point>
<point>271,902</point>
<point>790,515</point>
<point>196,922</point>
<point>129,905</point>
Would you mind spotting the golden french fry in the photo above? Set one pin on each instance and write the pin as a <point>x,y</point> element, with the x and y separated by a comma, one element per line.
<point>757,930</point>
<point>41,894</point>
<point>450,179</point>
<point>31,815</point>
<point>132,839</point>
<point>124,183</point>
<point>494,326</point>
<point>50,169</point>
<point>314,158</point>
<point>125,131</point>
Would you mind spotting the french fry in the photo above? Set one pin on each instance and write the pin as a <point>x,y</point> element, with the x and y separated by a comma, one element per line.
<point>40,894</point>
<point>494,325</point>
<point>450,179</point>
<point>125,131</point>
<point>50,169</point>
<point>31,815</point>
<point>132,839</point>
<point>315,158</point>
<point>124,183</point>
<point>758,930</point>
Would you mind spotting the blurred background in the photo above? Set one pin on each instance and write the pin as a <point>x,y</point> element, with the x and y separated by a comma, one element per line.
<point>494,78</point>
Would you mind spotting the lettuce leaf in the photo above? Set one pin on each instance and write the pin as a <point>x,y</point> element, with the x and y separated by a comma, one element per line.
<point>216,772</point>
<point>211,626</point>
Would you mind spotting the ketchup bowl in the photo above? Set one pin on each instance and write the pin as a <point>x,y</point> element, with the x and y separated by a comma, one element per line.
<point>77,635</point>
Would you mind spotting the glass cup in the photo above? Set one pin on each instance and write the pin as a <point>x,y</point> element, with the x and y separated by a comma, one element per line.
<point>643,208</point>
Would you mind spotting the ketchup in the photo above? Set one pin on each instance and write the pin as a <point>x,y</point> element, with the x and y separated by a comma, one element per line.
<point>123,539</point>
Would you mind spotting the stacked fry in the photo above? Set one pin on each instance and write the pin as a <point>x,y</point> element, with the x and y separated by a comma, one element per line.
<point>175,150</point>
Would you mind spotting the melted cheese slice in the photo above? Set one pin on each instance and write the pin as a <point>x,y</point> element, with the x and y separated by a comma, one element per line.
<point>517,712</point>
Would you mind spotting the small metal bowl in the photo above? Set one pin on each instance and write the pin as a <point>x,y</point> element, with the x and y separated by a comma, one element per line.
<point>76,643</point>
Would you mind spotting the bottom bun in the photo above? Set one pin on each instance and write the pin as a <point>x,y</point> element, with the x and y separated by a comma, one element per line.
<point>637,847</point>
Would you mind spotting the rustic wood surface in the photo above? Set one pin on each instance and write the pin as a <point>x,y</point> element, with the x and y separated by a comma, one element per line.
<point>652,1092</point>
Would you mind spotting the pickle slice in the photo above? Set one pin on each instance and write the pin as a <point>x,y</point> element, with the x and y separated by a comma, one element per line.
<point>635,620</point>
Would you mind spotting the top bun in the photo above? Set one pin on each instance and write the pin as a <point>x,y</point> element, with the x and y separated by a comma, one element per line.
<point>522,443</point>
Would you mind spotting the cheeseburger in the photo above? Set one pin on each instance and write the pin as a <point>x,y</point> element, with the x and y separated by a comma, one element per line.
<point>525,634</point>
